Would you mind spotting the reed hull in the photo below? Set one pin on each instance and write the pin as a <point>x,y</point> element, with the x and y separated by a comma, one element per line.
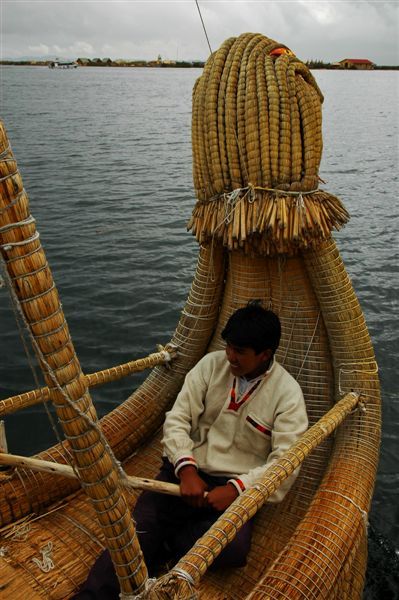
<point>313,544</point>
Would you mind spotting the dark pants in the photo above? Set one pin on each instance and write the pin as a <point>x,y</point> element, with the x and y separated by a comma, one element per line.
<point>167,527</point>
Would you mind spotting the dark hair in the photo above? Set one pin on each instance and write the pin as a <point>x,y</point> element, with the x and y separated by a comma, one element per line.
<point>253,327</point>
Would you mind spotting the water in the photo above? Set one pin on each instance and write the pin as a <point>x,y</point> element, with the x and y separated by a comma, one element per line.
<point>105,156</point>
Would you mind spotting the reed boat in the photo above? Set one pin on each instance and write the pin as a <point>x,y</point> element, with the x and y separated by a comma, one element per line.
<point>264,229</point>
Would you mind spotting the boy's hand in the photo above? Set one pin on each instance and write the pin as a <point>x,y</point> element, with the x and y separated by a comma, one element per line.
<point>192,487</point>
<point>221,496</point>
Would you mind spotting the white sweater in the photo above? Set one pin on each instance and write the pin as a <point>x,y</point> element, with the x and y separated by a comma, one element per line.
<point>201,429</point>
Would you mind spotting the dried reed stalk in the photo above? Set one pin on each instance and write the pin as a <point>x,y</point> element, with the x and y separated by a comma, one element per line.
<point>306,221</point>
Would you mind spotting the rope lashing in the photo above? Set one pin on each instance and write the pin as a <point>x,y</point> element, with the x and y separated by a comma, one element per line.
<point>363,513</point>
<point>5,152</point>
<point>182,574</point>
<point>358,367</point>
<point>9,175</point>
<point>143,594</point>
<point>28,221</point>
<point>9,245</point>
<point>231,196</point>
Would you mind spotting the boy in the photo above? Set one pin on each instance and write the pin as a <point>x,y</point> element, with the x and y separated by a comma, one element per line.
<point>236,413</point>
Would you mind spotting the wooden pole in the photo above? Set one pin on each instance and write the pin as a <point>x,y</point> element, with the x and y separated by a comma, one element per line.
<point>3,438</point>
<point>138,483</point>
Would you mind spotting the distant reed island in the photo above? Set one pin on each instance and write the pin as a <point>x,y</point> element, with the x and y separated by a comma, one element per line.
<point>353,64</point>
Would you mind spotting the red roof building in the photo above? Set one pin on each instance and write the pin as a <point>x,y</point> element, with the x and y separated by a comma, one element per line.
<point>356,63</point>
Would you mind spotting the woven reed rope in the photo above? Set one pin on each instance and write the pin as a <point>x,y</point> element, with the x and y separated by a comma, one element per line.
<point>15,403</point>
<point>257,143</point>
<point>142,413</point>
<point>38,299</point>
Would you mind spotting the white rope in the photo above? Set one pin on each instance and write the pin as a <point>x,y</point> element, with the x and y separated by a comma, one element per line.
<point>22,223</point>
<point>167,353</point>
<point>20,534</point>
<point>46,564</point>
<point>300,204</point>
<point>5,152</point>
<point>309,345</point>
<point>3,551</point>
<point>182,574</point>
<point>10,245</point>
<point>14,202</point>
<point>363,512</point>
<point>9,175</point>
<point>231,200</point>
<point>345,371</point>
<point>149,583</point>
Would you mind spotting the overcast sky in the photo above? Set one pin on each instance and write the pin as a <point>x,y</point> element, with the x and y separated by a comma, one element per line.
<point>327,30</point>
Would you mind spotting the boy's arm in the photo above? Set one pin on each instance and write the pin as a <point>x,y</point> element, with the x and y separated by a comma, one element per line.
<point>177,442</point>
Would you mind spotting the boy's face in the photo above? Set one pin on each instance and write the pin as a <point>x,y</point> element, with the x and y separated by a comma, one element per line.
<point>244,362</point>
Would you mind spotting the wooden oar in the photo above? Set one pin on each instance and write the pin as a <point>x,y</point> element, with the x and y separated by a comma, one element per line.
<point>35,464</point>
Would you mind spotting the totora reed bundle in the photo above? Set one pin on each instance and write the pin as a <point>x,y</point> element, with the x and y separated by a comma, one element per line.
<point>257,144</point>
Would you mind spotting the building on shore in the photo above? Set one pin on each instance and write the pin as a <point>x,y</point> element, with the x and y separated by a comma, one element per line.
<point>363,64</point>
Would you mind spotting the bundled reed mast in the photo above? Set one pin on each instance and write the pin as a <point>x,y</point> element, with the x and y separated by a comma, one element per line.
<point>36,299</point>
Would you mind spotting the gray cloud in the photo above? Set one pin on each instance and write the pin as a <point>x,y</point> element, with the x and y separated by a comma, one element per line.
<point>329,30</point>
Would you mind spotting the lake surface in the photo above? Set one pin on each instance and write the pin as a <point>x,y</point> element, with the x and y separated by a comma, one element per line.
<point>105,156</point>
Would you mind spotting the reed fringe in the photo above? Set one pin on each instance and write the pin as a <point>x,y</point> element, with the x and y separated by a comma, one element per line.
<point>269,222</point>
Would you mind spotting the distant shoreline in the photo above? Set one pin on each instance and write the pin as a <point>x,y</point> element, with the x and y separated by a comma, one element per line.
<point>121,64</point>
<point>173,65</point>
